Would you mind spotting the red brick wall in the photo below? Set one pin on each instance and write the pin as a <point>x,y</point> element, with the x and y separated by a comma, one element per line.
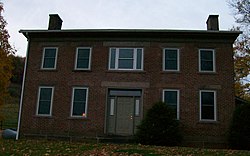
<point>188,80</point>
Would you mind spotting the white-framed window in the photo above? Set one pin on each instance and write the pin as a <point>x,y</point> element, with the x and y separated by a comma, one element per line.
<point>79,102</point>
<point>49,58</point>
<point>171,59</point>
<point>208,105</point>
<point>172,98</point>
<point>83,58</point>
<point>45,100</point>
<point>126,59</point>
<point>206,60</point>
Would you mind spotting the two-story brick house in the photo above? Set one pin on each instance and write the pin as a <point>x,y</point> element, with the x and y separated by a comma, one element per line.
<point>97,82</point>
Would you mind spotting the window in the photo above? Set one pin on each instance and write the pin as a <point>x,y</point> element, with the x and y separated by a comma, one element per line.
<point>208,105</point>
<point>171,59</point>
<point>206,60</point>
<point>126,59</point>
<point>171,98</point>
<point>45,98</point>
<point>49,58</point>
<point>79,102</point>
<point>83,59</point>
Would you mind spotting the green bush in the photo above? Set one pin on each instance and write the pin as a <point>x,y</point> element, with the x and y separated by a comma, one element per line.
<point>239,132</point>
<point>159,127</point>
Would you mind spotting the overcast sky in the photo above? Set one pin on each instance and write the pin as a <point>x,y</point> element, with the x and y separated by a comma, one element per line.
<point>81,14</point>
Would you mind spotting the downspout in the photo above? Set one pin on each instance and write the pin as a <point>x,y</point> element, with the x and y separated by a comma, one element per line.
<point>23,84</point>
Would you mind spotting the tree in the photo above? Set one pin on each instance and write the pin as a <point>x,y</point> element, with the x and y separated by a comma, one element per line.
<point>159,127</point>
<point>18,67</point>
<point>241,11</point>
<point>5,61</point>
<point>239,132</point>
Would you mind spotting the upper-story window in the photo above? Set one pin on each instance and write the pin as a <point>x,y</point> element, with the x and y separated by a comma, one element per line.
<point>126,59</point>
<point>171,59</point>
<point>206,60</point>
<point>83,58</point>
<point>49,58</point>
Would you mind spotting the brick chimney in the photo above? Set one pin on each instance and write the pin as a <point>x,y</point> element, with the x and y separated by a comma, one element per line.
<point>213,22</point>
<point>55,22</point>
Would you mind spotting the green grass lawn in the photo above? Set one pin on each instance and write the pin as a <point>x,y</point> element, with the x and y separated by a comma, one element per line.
<point>44,147</point>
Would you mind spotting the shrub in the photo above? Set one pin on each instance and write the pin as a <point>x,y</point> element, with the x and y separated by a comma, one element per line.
<point>239,132</point>
<point>159,127</point>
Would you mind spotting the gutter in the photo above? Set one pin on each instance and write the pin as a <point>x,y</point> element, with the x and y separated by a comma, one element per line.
<point>22,92</point>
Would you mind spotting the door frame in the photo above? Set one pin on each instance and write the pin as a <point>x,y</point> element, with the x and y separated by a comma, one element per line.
<point>107,107</point>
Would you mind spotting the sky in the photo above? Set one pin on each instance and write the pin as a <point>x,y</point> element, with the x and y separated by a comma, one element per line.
<point>112,14</point>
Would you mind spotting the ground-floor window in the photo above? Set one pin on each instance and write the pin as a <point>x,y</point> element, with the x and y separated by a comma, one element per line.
<point>171,98</point>
<point>79,102</point>
<point>45,99</point>
<point>208,105</point>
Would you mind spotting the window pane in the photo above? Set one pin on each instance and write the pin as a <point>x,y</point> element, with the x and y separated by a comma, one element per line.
<point>170,98</point>
<point>49,63</point>
<point>112,106</point>
<point>126,53</point>
<point>206,57</point>
<point>171,56</point>
<point>207,105</point>
<point>207,112</point>
<point>44,103</point>
<point>139,59</point>
<point>44,107</point>
<point>49,58</point>
<point>50,52</point>
<point>83,63</point>
<point>137,107</point>
<point>79,102</point>
<point>83,58</point>
<point>80,95</point>
<point>206,65</point>
<point>79,109</point>
<point>125,64</point>
<point>83,53</point>
<point>112,58</point>
<point>207,98</point>
<point>45,93</point>
<point>171,65</point>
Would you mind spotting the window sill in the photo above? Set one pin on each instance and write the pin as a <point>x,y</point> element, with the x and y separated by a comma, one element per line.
<point>208,122</point>
<point>170,72</point>
<point>77,118</point>
<point>43,116</point>
<point>208,73</point>
<point>81,70</point>
<point>126,71</point>
<point>47,70</point>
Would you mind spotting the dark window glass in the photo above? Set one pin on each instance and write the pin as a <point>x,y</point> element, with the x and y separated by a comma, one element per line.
<point>83,58</point>
<point>49,58</point>
<point>112,59</point>
<point>207,106</point>
<point>139,59</point>
<point>79,102</point>
<point>171,99</point>
<point>206,60</point>
<point>44,101</point>
<point>171,59</point>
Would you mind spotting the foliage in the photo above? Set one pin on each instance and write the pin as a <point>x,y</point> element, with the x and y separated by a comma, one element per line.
<point>241,11</point>
<point>18,67</point>
<point>159,127</point>
<point>239,133</point>
<point>5,61</point>
<point>44,147</point>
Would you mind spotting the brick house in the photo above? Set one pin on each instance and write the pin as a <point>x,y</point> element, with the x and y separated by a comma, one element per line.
<point>101,82</point>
